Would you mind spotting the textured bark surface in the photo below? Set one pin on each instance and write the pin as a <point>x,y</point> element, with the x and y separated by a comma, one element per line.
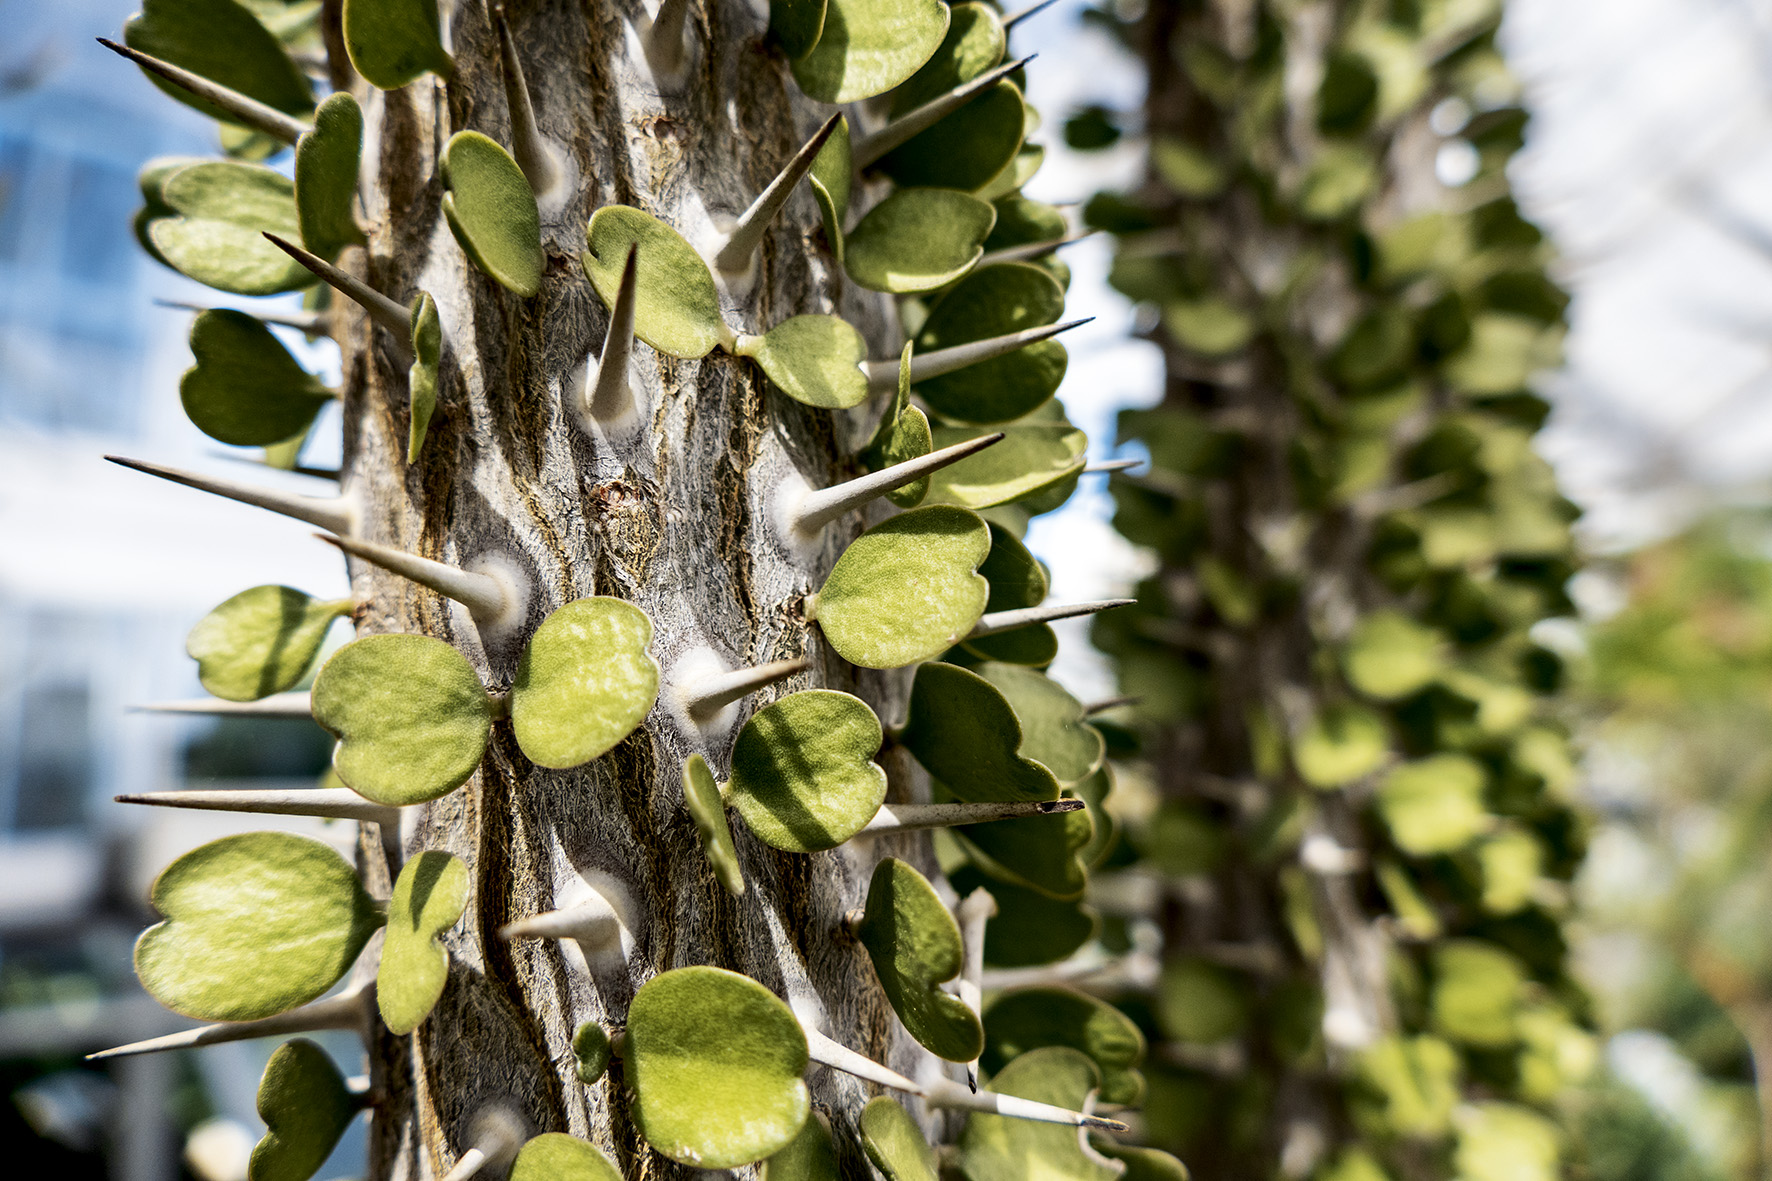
<point>675,517</point>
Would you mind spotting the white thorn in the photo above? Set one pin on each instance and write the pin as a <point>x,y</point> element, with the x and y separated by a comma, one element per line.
<point>612,395</point>
<point>1110,465</point>
<point>943,1093</point>
<point>294,704</point>
<point>1015,18</point>
<point>311,323</point>
<point>734,256</point>
<point>317,473</point>
<point>528,147</point>
<point>496,602</point>
<point>497,1133</point>
<point>706,696</point>
<point>1002,621</point>
<point>338,803</point>
<point>870,148</point>
<point>597,916</point>
<point>883,375</point>
<point>242,108</point>
<point>906,817</point>
<point>348,1010</point>
<point>976,909</point>
<point>380,308</point>
<point>334,513</point>
<point>666,40</point>
<point>1029,251</point>
<point>819,507</point>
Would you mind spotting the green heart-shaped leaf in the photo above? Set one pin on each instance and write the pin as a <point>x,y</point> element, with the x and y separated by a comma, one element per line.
<point>918,240</point>
<point>224,42</point>
<point>410,716</point>
<point>1341,744</point>
<point>965,733</point>
<point>803,775</point>
<point>1201,1003</point>
<point>216,215</point>
<point>1434,805</point>
<point>1041,853</point>
<point>1390,656</point>
<point>1022,221</point>
<point>245,388</point>
<point>701,795</point>
<point>584,683</point>
<point>903,434</point>
<point>715,1061</point>
<point>492,212</point>
<point>813,359</point>
<point>1028,928</point>
<point>306,1107</point>
<point>261,641</point>
<point>965,149</point>
<point>995,301</point>
<point>1147,1164</point>
<point>421,379</point>
<point>915,945</point>
<point>810,1156</point>
<point>326,163</point>
<point>676,305</point>
<point>1052,726</point>
<point>1032,459</point>
<point>555,1156</point>
<point>592,1051</point>
<point>998,1148</point>
<point>867,47</point>
<point>429,897</point>
<point>795,25</point>
<point>1015,176</point>
<point>974,43</point>
<point>1477,992</point>
<point>391,42</point>
<point>892,1139</point>
<point>254,925</point>
<point>906,589</point>
<point>1033,1017</point>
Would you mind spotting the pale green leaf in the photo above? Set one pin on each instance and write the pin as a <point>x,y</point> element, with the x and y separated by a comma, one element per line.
<point>255,925</point>
<point>585,682</point>
<point>803,775</point>
<point>866,47</point>
<point>676,305</point>
<point>915,946</point>
<point>813,359</point>
<point>392,42</point>
<point>326,163</point>
<point>261,641</point>
<point>306,1107</point>
<point>492,212</point>
<point>702,797</point>
<point>918,240</point>
<point>245,388</point>
<point>429,897</point>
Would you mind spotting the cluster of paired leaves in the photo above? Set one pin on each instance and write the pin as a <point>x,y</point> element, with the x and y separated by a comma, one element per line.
<point>1349,723</point>
<point>256,926</point>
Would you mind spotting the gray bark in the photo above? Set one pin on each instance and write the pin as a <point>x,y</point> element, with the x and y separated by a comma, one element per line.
<point>675,519</point>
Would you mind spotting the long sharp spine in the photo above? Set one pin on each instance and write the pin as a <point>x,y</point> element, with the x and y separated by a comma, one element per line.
<point>528,147</point>
<point>336,803</point>
<point>349,1010</point>
<point>240,107</point>
<point>489,600</point>
<point>1015,18</point>
<point>335,514</point>
<point>294,704</point>
<point>821,506</point>
<point>870,148</point>
<point>380,308</point>
<point>1002,621</point>
<point>612,395</point>
<point>706,697</point>
<point>311,323</point>
<point>742,242</point>
<point>666,43</point>
<point>1029,251</point>
<point>883,375</point>
<point>976,909</point>
<point>906,817</point>
<point>1109,466</point>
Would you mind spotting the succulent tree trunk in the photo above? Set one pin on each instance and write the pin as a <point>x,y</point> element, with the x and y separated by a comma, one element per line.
<point>1362,834</point>
<point>675,518</point>
<point>578,563</point>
